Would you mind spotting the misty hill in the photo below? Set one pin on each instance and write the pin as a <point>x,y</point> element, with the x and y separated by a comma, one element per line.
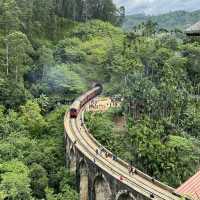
<point>172,20</point>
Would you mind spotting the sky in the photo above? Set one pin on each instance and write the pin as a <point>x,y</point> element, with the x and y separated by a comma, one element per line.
<point>154,7</point>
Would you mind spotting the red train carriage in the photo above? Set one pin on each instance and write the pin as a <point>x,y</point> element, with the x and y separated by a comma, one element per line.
<point>74,110</point>
<point>73,113</point>
<point>81,101</point>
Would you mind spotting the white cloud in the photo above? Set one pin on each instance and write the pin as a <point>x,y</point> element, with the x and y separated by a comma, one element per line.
<point>157,6</point>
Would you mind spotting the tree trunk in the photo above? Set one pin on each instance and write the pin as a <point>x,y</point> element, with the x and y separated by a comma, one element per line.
<point>7,59</point>
<point>16,73</point>
<point>74,12</point>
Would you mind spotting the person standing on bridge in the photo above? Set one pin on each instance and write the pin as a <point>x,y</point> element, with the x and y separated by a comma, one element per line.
<point>101,150</point>
<point>130,169</point>
<point>121,178</point>
<point>114,157</point>
<point>151,195</point>
<point>107,155</point>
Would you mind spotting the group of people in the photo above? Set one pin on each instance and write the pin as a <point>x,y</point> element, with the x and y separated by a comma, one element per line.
<point>131,169</point>
<point>102,105</point>
<point>101,151</point>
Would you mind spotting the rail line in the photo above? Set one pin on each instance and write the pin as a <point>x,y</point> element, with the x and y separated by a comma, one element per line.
<point>139,181</point>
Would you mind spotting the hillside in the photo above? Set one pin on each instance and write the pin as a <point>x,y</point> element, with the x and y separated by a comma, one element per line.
<point>172,20</point>
<point>45,47</point>
<point>51,52</point>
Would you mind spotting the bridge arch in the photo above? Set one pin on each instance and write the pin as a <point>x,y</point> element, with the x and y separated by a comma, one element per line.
<point>125,195</point>
<point>67,144</point>
<point>101,188</point>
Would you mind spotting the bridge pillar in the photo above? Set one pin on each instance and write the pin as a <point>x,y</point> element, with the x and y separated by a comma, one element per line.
<point>67,152</point>
<point>72,166</point>
<point>84,183</point>
<point>101,189</point>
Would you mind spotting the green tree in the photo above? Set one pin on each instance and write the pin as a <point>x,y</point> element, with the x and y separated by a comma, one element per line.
<point>150,28</point>
<point>39,180</point>
<point>46,60</point>
<point>13,94</point>
<point>25,15</point>
<point>19,49</point>
<point>31,118</point>
<point>15,183</point>
<point>9,17</point>
<point>17,146</point>
<point>192,52</point>
<point>50,195</point>
<point>68,193</point>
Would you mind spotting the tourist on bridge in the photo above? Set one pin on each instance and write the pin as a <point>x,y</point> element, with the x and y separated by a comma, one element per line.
<point>152,195</point>
<point>101,150</point>
<point>153,179</point>
<point>108,155</point>
<point>130,169</point>
<point>114,157</point>
<point>121,178</point>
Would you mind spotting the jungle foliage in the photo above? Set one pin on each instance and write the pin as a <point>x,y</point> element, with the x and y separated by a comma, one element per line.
<point>39,75</point>
<point>51,52</point>
<point>157,76</point>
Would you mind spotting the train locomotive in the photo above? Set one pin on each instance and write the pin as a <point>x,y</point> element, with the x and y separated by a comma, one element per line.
<point>83,99</point>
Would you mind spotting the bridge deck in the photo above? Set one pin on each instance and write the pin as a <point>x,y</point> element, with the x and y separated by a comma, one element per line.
<point>86,144</point>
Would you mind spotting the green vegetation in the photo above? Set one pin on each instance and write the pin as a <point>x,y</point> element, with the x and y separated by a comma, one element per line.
<point>170,21</point>
<point>32,153</point>
<point>157,76</point>
<point>45,47</point>
<point>51,52</point>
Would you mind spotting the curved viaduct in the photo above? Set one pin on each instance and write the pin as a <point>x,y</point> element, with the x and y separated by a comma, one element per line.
<point>99,178</point>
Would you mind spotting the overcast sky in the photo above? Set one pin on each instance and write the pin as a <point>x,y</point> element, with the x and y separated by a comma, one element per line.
<point>157,6</point>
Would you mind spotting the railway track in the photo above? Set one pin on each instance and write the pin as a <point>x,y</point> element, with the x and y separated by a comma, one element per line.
<point>139,181</point>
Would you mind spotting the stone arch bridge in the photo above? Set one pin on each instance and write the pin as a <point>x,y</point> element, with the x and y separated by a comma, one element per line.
<point>102,178</point>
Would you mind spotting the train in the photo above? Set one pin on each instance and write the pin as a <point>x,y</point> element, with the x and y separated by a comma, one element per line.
<point>83,99</point>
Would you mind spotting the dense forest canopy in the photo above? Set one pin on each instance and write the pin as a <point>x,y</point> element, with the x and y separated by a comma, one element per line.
<point>42,58</point>
<point>51,52</point>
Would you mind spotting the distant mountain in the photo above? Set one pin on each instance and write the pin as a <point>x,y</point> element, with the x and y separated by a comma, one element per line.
<point>172,20</point>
